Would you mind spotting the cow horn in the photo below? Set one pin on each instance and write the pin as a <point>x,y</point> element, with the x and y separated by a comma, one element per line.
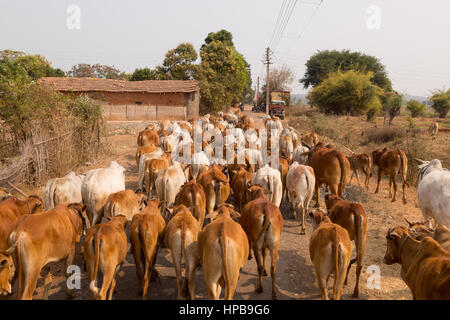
<point>420,161</point>
<point>408,222</point>
<point>306,145</point>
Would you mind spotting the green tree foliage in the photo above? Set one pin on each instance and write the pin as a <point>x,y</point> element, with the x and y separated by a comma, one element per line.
<point>224,75</point>
<point>441,102</point>
<point>178,63</point>
<point>143,74</point>
<point>416,108</point>
<point>34,66</point>
<point>223,36</point>
<point>321,64</point>
<point>350,92</point>
<point>391,105</point>
<point>84,70</point>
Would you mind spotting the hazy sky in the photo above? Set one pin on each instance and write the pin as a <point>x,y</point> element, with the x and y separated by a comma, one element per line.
<point>411,41</point>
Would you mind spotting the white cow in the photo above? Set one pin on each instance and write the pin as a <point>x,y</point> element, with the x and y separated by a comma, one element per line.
<point>98,185</point>
<point>433,192</point>
<point>168,184</point>
<point>300,181</point>
<point>144,157</point>
<point>63,190</point>
<point>299,155</point>
<point>200,162</point>
<point>270,179</point>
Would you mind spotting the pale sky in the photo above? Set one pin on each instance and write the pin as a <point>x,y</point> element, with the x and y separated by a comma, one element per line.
<point>411,41</point>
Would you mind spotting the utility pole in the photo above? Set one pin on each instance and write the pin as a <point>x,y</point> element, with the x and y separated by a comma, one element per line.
<point>267,62</point>
<point>257,90</point>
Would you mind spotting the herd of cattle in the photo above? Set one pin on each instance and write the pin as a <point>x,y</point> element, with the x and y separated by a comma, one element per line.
<point>213,213</point>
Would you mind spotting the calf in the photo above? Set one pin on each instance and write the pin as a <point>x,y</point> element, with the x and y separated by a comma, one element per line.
<point>330,250</point>
<point>433,130</point>
<point>192,196</point>
<point>391,163</point>
<point>361,162</point>
<point>216,186</point>
<point>105,246</point>
<point>181,238</point>
<point>263,223</point>
<point>223,251</point>
<point>148,136</point>
<point>146,235</point>
<point>352,217</point>
<point>300,182</point>
<point>126,203</point>
<point>425,264</point>
<point>152,168</point>
<point>45,237</point>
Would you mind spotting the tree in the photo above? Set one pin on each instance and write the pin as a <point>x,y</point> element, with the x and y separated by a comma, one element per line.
<point>416,108</point>
<point>391,105</point>
<point>222,74</point>
<point>347,93</point>
<point>321,64</point>
<point>35,66</point>
<point>84,70</point>
<point>179,63</point>
<point>441,102</point>
<point>280,78</point>
<point>223,36</point>
<point>143,74</point>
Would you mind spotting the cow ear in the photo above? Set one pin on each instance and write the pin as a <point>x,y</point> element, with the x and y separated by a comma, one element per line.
<point>393,234</point>
<point>311,214</point>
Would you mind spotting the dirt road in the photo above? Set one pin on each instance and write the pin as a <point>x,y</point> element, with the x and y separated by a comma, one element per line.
<point>295,274</point>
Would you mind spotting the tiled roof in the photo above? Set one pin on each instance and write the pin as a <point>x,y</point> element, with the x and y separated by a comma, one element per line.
<point>109,85</point>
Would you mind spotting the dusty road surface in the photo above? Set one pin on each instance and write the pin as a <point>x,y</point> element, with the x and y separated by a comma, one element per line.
<point>295,275</point>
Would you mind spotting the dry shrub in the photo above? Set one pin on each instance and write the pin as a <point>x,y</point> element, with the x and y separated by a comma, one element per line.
<point>383,135</point>
<point>64,133</point>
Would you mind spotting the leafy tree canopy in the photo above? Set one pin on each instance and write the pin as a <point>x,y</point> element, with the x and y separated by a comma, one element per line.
<point>321,64</point>
<point>441,102</point>
<point>96,71</point>
<point>179,63</point>
<point>143,74</point>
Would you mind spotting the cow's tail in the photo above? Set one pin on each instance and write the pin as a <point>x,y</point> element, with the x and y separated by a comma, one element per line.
<point>15,240</point>
<point>404,167</point>
<point>265,226</point>
<point>226,274</point>
<point>360,241</point>
<point>271,186</point>
<point>148,176</point>
<point>92,285</point>
<point>140,139</point>
<point>335,249</point>
<point>344,173</point>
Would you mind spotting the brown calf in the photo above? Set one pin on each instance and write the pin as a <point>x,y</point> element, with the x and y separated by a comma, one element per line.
<point>361,162</point>
<point>330,250</point>
<point>105,246</point>
<point>239,185</point>
<point>391,163</point>
<point>215,185</point>
<point>146,234</point>
<point>263,223</point>
<point>148,136</point>
<point>181,238</point>
<point>192,196</point>
<point>352,217</point>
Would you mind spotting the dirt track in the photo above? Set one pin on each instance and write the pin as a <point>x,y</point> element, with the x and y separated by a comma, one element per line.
<point>295,274</point>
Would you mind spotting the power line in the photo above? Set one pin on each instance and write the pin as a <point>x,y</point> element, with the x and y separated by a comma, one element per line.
<point>283,27</point>
<point>276,23</point>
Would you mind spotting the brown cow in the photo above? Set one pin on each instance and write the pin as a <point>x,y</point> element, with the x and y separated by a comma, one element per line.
<point>192,196</point>
<point>181,238</point>
<point>441,233</point>
<point>330,167</point>
<point>216,186</point>
<point>125,202</point>
<point>146,235</point>
<point>330,250</point>
<point>283,167</point>
<point>149,148</point>
<point>391,163</point>
<point>239,184</point>
<point>148,136</point>
<point>4,194</point>
<point>5,266</point>
<point>45,237</point>
<point>105,246</point>
<point>361,162</point>
<point>263,223</point>
<point>425,264</point>
<point>352,217</point>
<point>223,251</point>
<point>311,139</point>
<point>151,169</point>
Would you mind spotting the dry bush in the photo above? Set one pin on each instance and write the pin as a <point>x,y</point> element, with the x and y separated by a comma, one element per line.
<point>64,132</point>
<point>383,135</point>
